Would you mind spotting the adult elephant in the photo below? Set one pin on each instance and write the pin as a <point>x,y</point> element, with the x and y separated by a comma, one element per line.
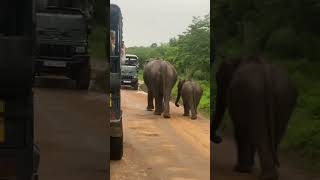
<point>191,93</point>
<point>160,77</point>
<point>260,98</point>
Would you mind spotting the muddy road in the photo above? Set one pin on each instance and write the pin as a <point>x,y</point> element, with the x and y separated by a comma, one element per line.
<point>158,148</point>
<point>71,130</point>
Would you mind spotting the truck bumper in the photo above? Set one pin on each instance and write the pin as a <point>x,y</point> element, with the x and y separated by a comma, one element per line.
<point>129,81</point>
<point>57,64</point>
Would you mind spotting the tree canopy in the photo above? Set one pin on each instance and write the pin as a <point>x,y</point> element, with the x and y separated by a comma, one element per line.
<point>189,52</point>
<point>287,28</point>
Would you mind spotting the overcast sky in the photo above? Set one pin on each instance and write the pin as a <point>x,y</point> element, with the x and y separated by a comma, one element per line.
<point>149,21</point>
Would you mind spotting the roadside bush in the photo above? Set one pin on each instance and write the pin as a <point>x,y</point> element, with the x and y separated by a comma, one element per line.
<point>311,46</point>
<point>284,42</point>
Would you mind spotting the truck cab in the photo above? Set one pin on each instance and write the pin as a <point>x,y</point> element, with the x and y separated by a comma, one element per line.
<point>129,71</point>
<point>62,43</point>
<point>18,156</point>
<point>114,63</point>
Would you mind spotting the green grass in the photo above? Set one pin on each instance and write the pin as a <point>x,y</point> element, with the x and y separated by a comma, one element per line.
<point>140,75</point>
<point>303,135</point>
<point>97,41</point>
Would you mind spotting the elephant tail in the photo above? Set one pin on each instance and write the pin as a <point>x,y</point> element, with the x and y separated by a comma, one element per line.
<point>269,100</point>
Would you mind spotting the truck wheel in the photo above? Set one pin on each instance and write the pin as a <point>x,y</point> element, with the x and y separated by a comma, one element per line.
<point>136,86</point>
<point>35,177</point>
<point>83,79</point>
<point>116,148</point>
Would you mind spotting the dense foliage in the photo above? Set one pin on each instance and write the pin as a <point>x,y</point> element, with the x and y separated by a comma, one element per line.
<point>287,28</point>
<point>189,52</point>
<point>286,32</point>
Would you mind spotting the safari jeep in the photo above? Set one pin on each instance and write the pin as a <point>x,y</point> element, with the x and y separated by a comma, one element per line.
<point>116,136</point>
<point>129,71</point>
<point>62,44</point>
<point>19,158</point>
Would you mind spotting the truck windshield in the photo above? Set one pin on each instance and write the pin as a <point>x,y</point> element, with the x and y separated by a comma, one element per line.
<point>131,61</point>
<point>62,26</point>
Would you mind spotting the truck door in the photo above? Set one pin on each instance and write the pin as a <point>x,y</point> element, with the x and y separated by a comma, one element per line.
<point>16,98</point>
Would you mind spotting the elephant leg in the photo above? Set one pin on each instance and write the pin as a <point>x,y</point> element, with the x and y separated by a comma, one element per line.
<point>166,98</point>
<point>267,162</point>
<point>161,104</point>
<point>245,152</point>
<point>193,109</point>
<point>243,139</point>
<point>186,109</point>
<point>150,101</point>
<point>266,150</point>
<point>158,109</point>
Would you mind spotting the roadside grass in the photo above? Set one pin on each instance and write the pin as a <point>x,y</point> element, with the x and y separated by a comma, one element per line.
<point>97,41</point>
<point>140,75</point>
<point>302,138</point>
<point>303,135</point>
<point>204,105</point>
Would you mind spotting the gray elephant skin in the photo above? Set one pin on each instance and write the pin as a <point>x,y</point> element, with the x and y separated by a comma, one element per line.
<point>159,77</point>
<point>191,93</point>
<point>260,98</point>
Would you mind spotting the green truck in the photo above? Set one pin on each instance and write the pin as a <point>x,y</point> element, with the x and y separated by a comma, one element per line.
<point>130,71</point>
<point>116,136</point>
<point>62,43</point>
<point>19,156</point>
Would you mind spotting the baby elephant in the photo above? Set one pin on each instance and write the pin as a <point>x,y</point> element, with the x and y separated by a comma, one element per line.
<point>191,93</point>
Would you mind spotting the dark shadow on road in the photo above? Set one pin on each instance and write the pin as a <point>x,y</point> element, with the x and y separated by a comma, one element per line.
<point>54,83</point>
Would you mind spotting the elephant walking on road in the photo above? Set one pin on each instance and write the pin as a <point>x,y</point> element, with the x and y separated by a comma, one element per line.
<point>260,98</point>
<point>191,93</point>
<point>160,77</point>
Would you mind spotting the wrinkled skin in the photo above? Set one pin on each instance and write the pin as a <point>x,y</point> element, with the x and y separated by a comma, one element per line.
<point>160,77</point>
<point>260,98</point>
<point>191,93</point>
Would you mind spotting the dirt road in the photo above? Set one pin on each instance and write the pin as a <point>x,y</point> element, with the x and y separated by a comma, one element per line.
<point>224,158</point>
<point>71,130</point>
<point>158,148</point>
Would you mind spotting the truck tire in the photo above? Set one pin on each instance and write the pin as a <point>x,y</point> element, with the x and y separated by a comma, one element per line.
<point>83,79</point>
<point>116,148</point>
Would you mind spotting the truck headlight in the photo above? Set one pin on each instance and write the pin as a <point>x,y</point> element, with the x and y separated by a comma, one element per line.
<point>80,49</point>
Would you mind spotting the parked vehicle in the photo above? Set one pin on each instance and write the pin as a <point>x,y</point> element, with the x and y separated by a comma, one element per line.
<point>130,71</point>
<point>116,136</point>
<point>18,158</point>
<point>62,44</point>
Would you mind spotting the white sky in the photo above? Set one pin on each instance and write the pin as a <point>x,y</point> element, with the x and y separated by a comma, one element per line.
<point>149,21</point>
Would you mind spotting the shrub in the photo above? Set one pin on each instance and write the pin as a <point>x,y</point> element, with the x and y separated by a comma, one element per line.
<point>284,42</point>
